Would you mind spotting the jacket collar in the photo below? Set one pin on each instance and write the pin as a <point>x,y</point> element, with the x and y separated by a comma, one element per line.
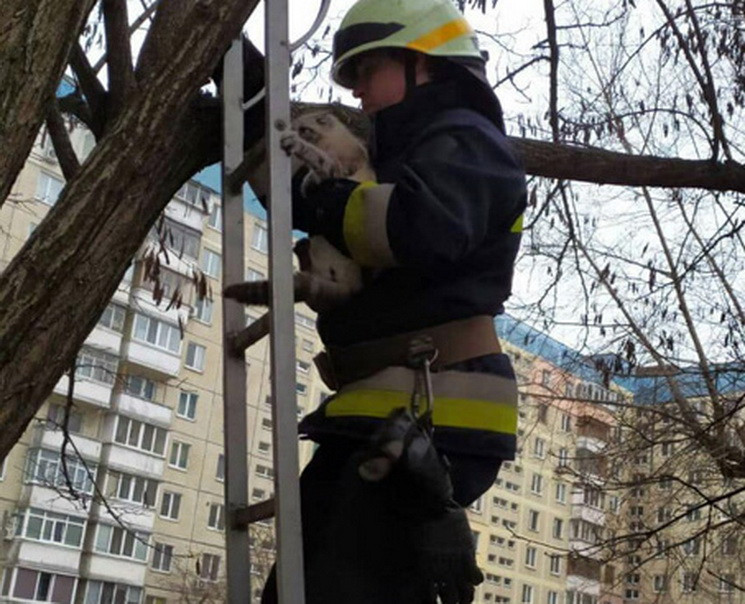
<point>395,127</point>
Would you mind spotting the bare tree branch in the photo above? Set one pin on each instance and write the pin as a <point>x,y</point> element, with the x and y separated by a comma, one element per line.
<point>119,54</point>
<point>61,141</point>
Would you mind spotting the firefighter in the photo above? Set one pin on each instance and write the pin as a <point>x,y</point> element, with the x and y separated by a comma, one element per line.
<point>413,357</point>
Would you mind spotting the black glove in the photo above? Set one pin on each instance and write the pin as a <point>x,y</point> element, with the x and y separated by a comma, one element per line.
<point>319,210</point>
<point>403,459</point>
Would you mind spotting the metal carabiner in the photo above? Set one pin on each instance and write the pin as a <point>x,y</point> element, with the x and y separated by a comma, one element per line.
<point>422,353</point>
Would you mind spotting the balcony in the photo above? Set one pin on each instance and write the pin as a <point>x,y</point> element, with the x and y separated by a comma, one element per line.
<point>588,513</point>
<point>49,556</point>
<point>101,567</point>
<point>88,391</point>
<point>104,339</point>
<point>132,461</point>
<point>40,496</point>
<point>591,443</point>
<point>133,515</point>
<point>156,359</point>
<point>185,213</point>
<point>48,438</point>
<point>583,575</point>
<point>146,411</point>
<point>143,300</point>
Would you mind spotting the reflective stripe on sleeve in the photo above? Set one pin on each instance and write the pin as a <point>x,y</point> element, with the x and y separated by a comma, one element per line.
<point>364,227</point>
<point>517,226</point>
<point>462,400</point>
<point>441,35</point>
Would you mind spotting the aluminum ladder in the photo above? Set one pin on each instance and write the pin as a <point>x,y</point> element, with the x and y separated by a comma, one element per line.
<point>236,336</point>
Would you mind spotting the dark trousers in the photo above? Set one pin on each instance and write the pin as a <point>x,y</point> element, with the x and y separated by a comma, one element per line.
<point>328,512</point>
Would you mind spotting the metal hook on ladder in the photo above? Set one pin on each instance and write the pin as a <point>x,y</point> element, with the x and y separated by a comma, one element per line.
<point>290,584</point>
<point>323,10</point>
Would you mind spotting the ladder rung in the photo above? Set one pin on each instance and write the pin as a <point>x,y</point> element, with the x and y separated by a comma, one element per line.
<point>253,513</point>
<point>245,338</point>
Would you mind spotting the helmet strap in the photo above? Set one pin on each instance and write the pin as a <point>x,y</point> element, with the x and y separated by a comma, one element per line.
<point>410,72</point>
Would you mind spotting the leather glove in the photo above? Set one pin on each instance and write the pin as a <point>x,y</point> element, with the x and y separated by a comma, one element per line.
<point>404,460</point>
<point>318,209</point>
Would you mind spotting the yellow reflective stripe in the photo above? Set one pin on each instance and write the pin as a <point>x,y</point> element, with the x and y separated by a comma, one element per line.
<point>452,412</point>
<point>517,226</point>
<point>364,225</point>
<point>441,35</point>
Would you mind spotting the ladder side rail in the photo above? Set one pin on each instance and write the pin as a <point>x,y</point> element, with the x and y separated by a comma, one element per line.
<point>290,583</point>
<point>238,564</point>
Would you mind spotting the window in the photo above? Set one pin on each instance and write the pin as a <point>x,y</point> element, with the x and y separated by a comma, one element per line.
<point>561,492</point>
<point>689,582</point>
<point>211,263</point>
<point>194,195</point>
<point>162,555</point>
<point>307,344</point>
<point>664,515</point>
<point>691,547</point>
<point>203,310</point>
<point>558,528</point>
<point>693,513</point>
<point>209,567</point>
<point>660,584</point>
<point>301,389</point>
<point>179,238</point>
<point>159,334</point>
<point>220,471</point>
<point>554,563</point>
<point>43,525</point>
<point>170,505</point>
<point>215,219</point>
<point>56,419</point>
<point>533,518</point>
<point>119,542</point>
<point>477,506</point>
<point>527,597</point>
<point>43,586</point>
<point>667,449</point>
<point>258,494</point>
<point>305,321</point>
<point>136,489</point>
<point>266,423</point>
<point>113,318</point>
<point>302,366</point>
<point>631,594</point>
<point>216,518</point>
<point>563,457</point>
<point>254,275</point>
<point>179,455</point>
<point>530,555</point>
<point>539,448</point>
<point>536,485</point>
<point>187,405</point>
<point>542,413</point>
<point>134,433</point>
<point>264,471</point>
<point>48,188</point>
<point>264,447</point>
<point>45,467</point>
<point>195,354</point>
<point>260,239</point>
<point>727,584</point>
<point>566,422</point>
<point>552,597</point>
<point>545,377</point>
<point>729,546</point>
<point>140,387</point>
<point>98,592</point>
<point>96,365</point>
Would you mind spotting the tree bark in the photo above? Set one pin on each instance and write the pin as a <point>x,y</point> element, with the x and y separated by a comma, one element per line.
<point>86,242</point>
<point>35,41</point>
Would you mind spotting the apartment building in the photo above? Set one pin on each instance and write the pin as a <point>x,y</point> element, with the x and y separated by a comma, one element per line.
<point>144,519</point>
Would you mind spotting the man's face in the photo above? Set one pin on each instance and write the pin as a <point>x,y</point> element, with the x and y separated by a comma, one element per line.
<point>381,80</point>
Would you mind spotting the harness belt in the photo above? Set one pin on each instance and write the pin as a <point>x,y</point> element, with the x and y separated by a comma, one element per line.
<point>454,342</point>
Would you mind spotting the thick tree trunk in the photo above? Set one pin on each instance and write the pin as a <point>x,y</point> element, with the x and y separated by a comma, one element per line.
<point>35,41</point>
<point>53,291</point>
